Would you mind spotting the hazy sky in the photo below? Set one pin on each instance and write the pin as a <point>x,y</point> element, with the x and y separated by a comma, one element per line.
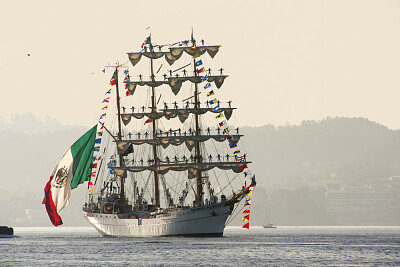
<point>288,61</point>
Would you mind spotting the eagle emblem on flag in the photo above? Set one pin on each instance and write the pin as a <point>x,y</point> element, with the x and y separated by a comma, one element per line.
<point>61,177</point>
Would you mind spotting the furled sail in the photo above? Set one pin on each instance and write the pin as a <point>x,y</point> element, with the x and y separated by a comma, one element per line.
<point>174,54</point>
<point>165,141</point>
<point>176,82</point>
<point>182,114</point>
<point>163,168</point>
<point>135,57</point>
<point>211,50</point>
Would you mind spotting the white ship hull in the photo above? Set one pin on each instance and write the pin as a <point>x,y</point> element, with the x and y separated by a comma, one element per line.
<point>202,221</point>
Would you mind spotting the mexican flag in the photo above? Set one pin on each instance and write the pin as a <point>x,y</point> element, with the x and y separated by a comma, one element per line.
<point>147,41</point>
<point>72,169</point>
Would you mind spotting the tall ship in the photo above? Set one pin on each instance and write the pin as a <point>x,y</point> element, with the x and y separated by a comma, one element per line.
<point>165,161</point>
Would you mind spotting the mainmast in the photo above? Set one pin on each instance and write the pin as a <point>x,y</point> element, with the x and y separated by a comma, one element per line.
<point>199,183</point>
<point>121,159</point>
<point>153,109</point>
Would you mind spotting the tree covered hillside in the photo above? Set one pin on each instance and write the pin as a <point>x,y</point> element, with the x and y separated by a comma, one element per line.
<point>343,150</point>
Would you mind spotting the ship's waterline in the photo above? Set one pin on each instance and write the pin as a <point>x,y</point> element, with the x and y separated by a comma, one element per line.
<point>201,221</point>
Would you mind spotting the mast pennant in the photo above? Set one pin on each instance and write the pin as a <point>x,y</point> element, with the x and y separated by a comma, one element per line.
<point>72,169</point>
<point>113,79</point>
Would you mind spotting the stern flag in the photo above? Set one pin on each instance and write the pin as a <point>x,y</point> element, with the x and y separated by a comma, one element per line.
<point>72,169</point>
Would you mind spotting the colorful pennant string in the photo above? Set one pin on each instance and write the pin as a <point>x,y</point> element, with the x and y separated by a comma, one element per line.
<point>126,80</point>
<point>200,68</point>
<point>97,157</point>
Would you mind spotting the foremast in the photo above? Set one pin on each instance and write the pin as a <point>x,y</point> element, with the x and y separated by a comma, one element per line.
<point>119,134</point>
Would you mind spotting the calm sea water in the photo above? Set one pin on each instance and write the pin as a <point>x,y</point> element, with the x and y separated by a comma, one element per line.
<point>284,246</point>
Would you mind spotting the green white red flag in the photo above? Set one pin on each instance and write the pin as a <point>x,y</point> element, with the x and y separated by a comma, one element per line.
<point>72,169</point>
<point>147,41</point>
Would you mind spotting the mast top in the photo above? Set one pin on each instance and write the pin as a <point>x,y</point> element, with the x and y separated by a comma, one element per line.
<point>117,65</point>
